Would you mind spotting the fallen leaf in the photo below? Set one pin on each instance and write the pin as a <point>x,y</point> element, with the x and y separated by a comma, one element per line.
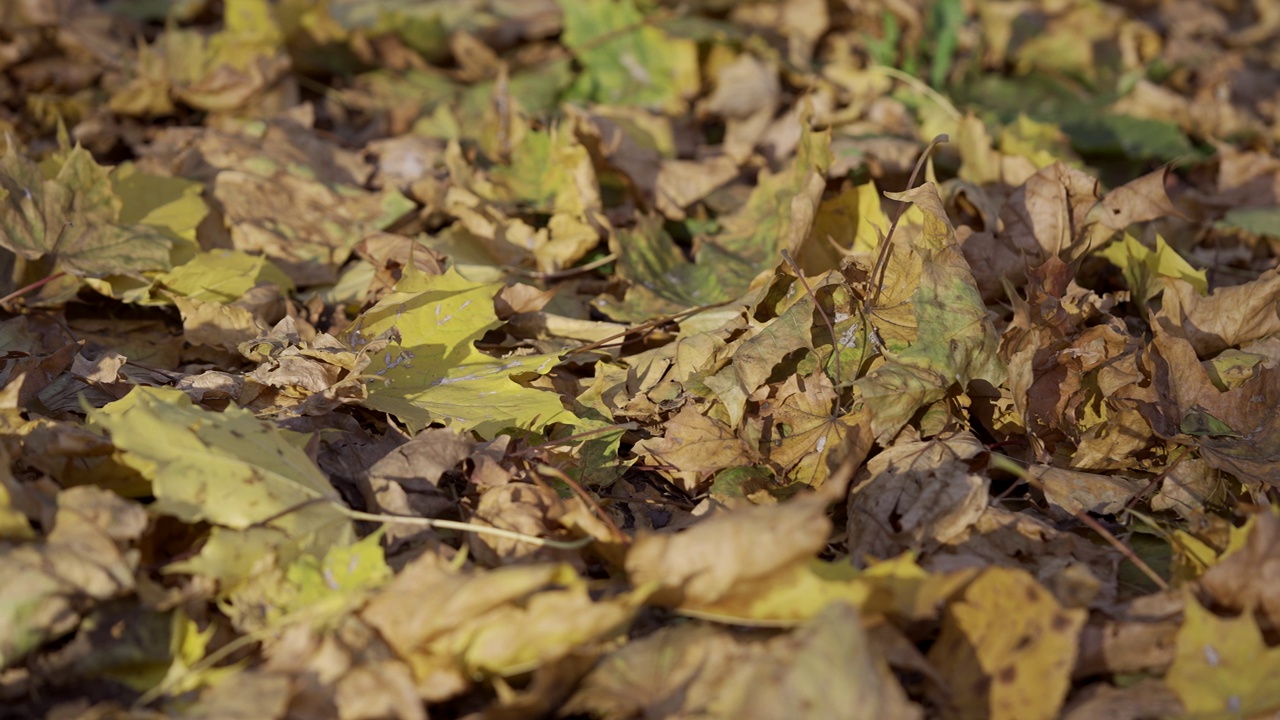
<point>1007,648</point>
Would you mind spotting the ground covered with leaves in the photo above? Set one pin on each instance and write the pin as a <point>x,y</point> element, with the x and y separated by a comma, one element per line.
<point>634,359</point>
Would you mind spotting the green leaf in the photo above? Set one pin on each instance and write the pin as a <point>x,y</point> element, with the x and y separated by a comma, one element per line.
<point>1259,221</point>
<point>955,342</point>
<point>424,387</point>
<point>626,60</point>
<point>663,281</point>
<point>170,203</point>
<point>1145,268</point>
<point>1130,137</point>
<point>74,217</point>
<point>222,276</point>
<point>779,214</point>
<point>540,175</point>
<point>782,205</point>
<point>434,373</point>
<point>229,468</point>
<point>1201,423</point>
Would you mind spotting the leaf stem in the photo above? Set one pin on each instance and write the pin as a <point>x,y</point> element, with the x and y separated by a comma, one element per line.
<point>29,288</point>
<point>921,87</point>
<point>465,527</point>
<point>876,278</point>
<point>1003,462</point>
<point>618,535</point>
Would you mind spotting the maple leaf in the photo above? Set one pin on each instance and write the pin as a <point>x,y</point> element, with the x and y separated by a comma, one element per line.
<point>1221,664</point>
<point>626,58</point>
<point>941,334</point>
<point>1007,647</point>
<point>231,470</point>
<point>336,224</point>
<point>777,216</point>
<point>72,215</point>
<point>434,373</point>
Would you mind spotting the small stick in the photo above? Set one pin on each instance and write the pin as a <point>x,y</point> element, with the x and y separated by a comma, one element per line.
<point>622,427</point>
<point>886,245</point>
<point>1007,464</point>
<point>431,523</point>
<point>647,326</point>
<point>567,272</point>
<point>1125,550</point>
<point>33,286</point>
<point>831,328</point>
<point>618,535</point>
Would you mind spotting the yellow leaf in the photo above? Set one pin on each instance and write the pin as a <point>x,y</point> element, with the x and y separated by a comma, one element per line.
<point>1223,667</point>
<point>1007,648</point>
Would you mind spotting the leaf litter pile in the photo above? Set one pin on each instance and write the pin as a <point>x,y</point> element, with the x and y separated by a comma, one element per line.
<point>624,359</point>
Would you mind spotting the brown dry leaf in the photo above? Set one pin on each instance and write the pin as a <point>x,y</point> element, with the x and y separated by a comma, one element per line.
<point>746,95</point>
<point>915,495</point>
<point>1247,578</point>
<point>694,446</point>
<point>679,669</point>
<point>1237,431</point>
<point>250,694</point>
<point>827,667</point>
<point>681,183</point>
<point>1075,492</point>
<point>406,480</point>
<point>84,556</point>
<point>755,354</point>
<point>543,175</point>
<point>450,625</point>
<point>824,669</point>
<point>378,689</point>
<point>347,671</point>
<point>641,145</point>
<point>286,141</point>
<point>1007,649</point>
<point>1061,211</point>
<point>1229,317</point>
<point>519,507</point>
<point>322,236</point>
<point>1148,698</point>
<point>1138,637</point>
<point>1041,217</point>
<point>736,552</point>
<point>1079,572</point>
<point>218,325</point>
<point>1136,201</point>
<point>1123,440</point>
<point>1187,488</point>
<point>816,442</point>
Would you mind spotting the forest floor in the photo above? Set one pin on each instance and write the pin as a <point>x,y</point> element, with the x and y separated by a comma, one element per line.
<point>637,359</point>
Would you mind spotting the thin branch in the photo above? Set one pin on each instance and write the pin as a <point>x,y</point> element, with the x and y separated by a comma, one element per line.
<point>32,287</point>
<point>618,535</point>
<point>467,527</point>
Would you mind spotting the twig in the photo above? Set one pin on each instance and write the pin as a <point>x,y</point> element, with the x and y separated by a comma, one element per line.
<point>431,523</point>
<point>876,278</point>
<point>567,272</point>
<point>33,286</point>
<point>648,326</point>
<point>467,527</point>
<point>919,87</point>
<point>1125,550</point>
<point>1003,462</point>
<point>618,535</point>
<point>831,328</point>
<point>576,436</point>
